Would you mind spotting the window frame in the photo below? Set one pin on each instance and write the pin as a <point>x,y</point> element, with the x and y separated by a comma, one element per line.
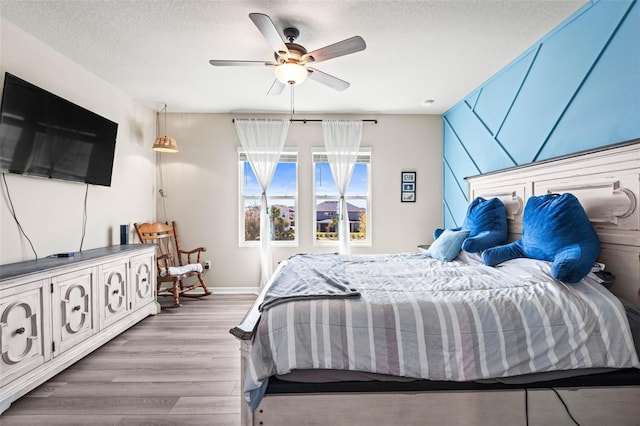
<point>364,157</point>
<point>289,155</point>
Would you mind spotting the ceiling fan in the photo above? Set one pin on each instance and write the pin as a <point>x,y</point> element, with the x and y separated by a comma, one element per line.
<point>292,60</point>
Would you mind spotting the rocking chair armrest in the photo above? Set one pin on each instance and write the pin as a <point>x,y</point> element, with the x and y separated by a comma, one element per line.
<point>188,253</point>
<point>163,261</point>
<point>193,251</point>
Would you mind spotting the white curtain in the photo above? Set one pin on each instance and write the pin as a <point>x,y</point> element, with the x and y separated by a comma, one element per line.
<point>342,142</point>
<point>262,141</point>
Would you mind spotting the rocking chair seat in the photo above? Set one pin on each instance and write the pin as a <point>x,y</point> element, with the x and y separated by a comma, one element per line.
<point>174,264</point>
<point>181,270</point>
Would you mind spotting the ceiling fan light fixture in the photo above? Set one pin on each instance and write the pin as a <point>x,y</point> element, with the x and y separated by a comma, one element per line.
<point>291,58</point>
<point>291,73</point>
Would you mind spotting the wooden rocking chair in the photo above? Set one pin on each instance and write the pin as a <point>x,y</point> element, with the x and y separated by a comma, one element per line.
<point>174,264</point>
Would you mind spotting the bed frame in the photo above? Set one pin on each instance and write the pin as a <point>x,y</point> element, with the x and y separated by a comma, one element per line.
<point>607,183</point>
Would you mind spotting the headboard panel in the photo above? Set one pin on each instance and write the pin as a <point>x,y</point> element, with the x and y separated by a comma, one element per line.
<point>607,183</point>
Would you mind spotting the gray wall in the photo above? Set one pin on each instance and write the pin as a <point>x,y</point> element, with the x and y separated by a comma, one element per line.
<point>201,184</point>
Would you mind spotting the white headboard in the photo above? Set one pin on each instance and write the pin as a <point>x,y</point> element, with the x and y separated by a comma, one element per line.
<point>607,183</point>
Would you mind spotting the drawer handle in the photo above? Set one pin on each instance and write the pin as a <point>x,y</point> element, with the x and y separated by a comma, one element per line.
<point>76,308</point>
<point>116,291</point>
<point>21,330</point>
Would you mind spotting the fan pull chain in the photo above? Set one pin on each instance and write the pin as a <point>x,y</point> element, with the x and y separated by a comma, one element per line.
<point>292,109</point>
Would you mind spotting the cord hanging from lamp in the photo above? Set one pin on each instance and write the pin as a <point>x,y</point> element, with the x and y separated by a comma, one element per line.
<point>165,143</point>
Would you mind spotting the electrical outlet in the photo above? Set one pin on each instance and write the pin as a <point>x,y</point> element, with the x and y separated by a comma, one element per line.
<point>207,264</point>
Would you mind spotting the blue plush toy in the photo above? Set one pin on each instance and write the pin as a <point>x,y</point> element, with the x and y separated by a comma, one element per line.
<point>486,222</point>
<point>555,228</point>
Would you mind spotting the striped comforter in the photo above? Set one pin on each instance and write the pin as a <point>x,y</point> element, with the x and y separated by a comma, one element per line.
<point>459,321</point>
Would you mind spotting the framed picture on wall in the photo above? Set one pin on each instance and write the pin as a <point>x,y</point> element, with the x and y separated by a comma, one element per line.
<point>408,176</point>
<point>408,197</point>
<point>408,187</point>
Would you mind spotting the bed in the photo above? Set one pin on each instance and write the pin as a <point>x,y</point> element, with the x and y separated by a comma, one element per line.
<point>363,362</point>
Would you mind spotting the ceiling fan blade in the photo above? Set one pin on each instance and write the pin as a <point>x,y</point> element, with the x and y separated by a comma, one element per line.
<point>328,80</point>
<point>226,63</point>
<point>269,31</point>
<point>341,48</point>
<point>276,88</point>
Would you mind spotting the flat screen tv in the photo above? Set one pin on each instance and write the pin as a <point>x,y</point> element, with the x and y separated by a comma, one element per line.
<point>42,134</point>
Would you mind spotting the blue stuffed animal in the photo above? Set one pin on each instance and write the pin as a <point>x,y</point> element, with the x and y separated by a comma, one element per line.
<point>555,228</point>
<point>486,222</point>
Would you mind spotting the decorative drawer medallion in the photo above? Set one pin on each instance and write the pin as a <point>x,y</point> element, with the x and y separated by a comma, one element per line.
<point>19,324</point>
<point>76,309</point>
<point>144,289</point>
<point>115,292</point>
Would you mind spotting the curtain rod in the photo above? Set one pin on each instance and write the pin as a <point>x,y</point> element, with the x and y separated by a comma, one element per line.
<point>308,120</point>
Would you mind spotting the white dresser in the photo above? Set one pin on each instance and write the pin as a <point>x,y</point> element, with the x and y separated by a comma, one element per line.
<point>54,311</point>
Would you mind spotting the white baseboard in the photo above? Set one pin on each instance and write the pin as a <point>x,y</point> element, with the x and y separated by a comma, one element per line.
<point>235,290</point>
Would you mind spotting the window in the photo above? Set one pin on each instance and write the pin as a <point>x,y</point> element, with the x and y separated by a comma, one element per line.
<point>282,196</point>
<point>326,197</point>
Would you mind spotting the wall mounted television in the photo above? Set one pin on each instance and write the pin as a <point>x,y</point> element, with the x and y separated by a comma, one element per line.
<point>42,134</point>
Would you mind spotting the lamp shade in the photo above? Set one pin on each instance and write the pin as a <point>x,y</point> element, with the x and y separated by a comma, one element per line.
<point>165,144</point>
<point>291,73</point>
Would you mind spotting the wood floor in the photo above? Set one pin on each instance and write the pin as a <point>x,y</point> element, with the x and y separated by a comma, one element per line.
<point>180,367</point>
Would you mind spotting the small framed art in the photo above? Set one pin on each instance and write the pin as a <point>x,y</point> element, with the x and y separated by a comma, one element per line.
<point>408,188</point>
<point>408,197</point>
<point>408,176</point>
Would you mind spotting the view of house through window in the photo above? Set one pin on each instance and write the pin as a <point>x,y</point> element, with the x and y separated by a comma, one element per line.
<point>281,196</point>
<point>326,200</point>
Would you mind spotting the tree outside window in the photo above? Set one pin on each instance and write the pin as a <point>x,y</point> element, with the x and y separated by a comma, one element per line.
<point>281,197</point>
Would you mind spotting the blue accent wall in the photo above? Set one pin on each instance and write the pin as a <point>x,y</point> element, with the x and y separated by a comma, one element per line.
<point>576,89</point>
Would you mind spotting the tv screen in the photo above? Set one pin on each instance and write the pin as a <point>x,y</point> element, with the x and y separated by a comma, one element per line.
<point>42,134</point>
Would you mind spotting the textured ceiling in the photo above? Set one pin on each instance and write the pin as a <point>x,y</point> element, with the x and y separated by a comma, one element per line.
<point>158,50</point>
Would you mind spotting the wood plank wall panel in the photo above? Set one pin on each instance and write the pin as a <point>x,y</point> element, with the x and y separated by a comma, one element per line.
<point>576,89</point>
